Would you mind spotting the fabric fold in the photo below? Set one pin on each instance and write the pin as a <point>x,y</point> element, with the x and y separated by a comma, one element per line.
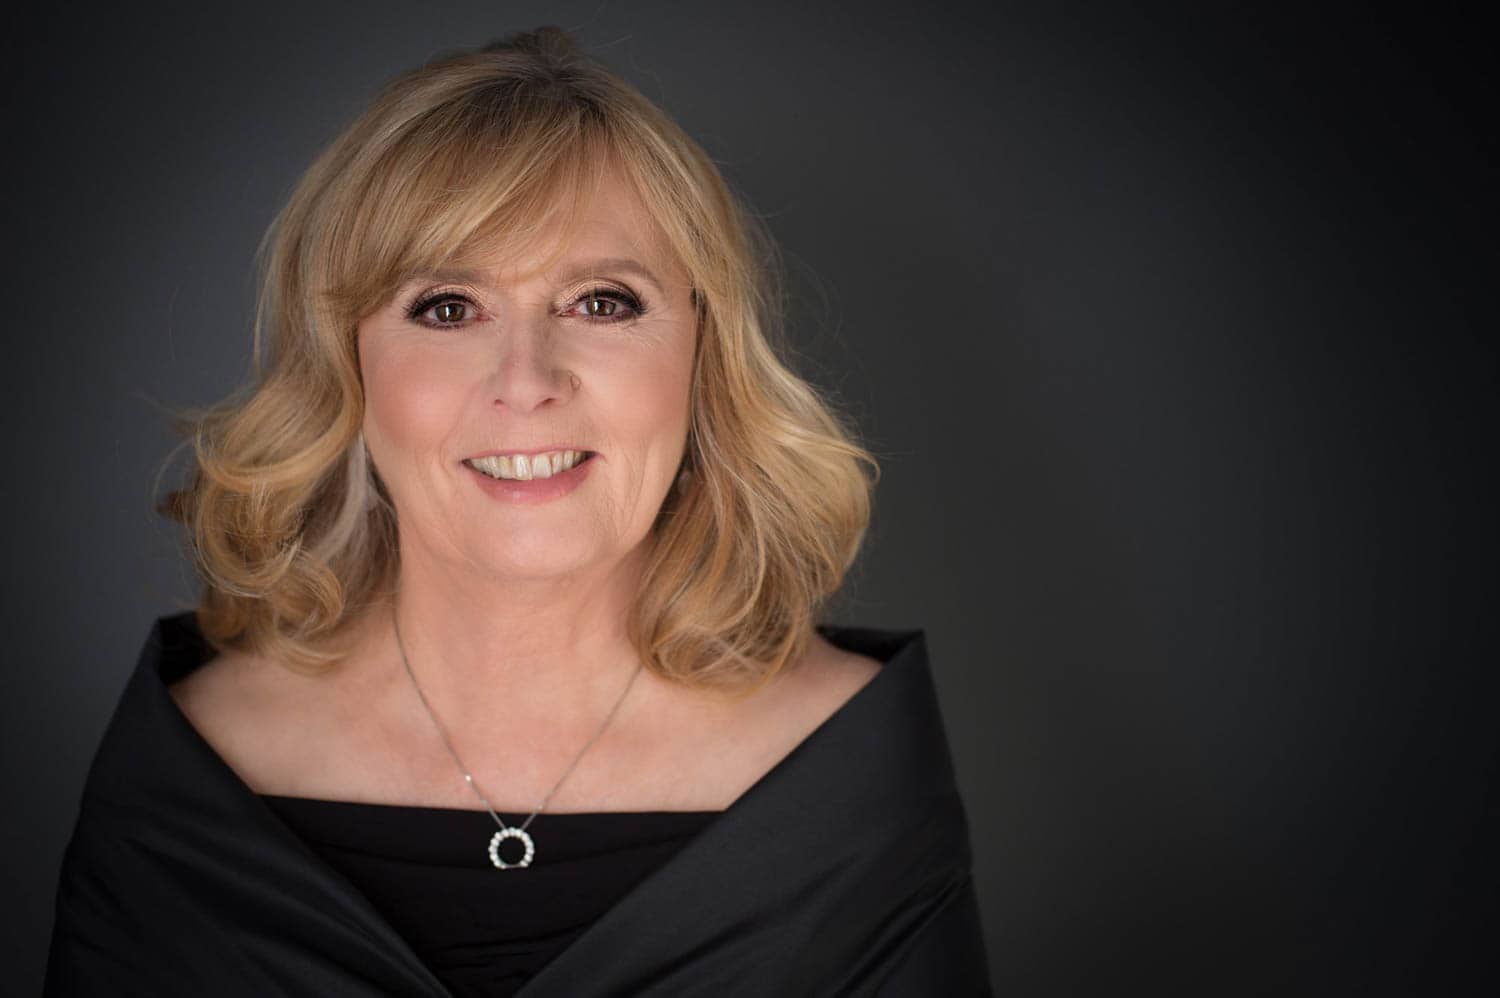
<point>829,876</point>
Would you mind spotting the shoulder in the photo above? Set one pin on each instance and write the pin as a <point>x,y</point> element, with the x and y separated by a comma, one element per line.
<point>809,691</point>
<point>828,676</point>
<point>256,714</point>
<point>214,696</point>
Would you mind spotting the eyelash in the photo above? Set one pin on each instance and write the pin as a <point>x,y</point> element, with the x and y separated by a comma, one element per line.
<point>427,301</point>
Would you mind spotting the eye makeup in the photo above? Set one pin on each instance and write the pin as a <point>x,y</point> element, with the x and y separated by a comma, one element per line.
<point>617,298</point>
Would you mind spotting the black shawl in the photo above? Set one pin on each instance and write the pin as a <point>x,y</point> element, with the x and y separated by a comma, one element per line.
<point>844,871</point>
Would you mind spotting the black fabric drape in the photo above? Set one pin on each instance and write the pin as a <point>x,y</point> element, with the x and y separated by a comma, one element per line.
<point>844,871</point>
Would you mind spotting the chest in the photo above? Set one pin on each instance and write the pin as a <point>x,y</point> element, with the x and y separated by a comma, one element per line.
<point>671,757</point>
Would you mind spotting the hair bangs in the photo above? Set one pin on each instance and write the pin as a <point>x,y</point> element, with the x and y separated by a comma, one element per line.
<point>462,184</point>
<point>486,155</point>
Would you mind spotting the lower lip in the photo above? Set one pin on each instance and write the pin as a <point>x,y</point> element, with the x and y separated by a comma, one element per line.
<point>538,489</point>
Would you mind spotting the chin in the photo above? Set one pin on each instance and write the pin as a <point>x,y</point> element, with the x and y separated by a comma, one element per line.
<point>539,554</point>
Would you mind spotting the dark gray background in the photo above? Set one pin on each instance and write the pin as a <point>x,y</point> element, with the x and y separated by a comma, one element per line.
<point>1166,324</point>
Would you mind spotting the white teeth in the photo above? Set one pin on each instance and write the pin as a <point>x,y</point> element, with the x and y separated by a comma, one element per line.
<point>524,468</point>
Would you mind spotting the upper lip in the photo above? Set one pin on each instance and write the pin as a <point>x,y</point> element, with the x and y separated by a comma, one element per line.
<point>501,452</point>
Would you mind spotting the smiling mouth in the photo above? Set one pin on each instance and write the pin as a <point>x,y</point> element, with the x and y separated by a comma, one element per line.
<point>527,467</point>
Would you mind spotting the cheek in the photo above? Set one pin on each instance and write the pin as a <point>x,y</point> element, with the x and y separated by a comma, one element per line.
<point>412,401</point>
<point>650,408</point>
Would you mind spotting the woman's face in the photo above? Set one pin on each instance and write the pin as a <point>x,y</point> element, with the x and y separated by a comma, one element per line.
<point>471,376</point>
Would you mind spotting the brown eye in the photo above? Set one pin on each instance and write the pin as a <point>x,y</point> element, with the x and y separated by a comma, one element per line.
<point>444,310</point>
<point>604,305</point>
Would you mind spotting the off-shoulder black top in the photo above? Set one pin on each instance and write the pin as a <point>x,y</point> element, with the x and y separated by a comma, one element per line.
<point>485,931</point>
<point>846,869</point>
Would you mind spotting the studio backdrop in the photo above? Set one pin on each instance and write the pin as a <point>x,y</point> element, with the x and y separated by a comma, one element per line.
<point>1164,328</point>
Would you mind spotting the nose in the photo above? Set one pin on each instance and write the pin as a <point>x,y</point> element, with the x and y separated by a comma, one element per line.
<point>528,373</point>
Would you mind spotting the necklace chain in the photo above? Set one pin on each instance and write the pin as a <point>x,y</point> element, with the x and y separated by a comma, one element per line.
<point>468,777</point>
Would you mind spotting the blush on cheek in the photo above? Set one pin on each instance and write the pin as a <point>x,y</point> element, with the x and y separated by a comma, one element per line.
<point>414,408</point>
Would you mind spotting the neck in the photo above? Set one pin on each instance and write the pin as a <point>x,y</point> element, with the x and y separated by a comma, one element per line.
<point>553,654</point>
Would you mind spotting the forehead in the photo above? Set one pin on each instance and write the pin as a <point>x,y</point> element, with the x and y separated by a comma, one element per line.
<point>607,222</point>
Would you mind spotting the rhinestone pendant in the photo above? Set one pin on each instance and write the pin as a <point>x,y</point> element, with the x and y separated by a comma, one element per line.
<point>511,833</point>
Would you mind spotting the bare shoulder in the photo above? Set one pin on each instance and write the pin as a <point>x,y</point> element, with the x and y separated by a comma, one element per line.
<point>215,688</point>
<point>814,688</point>
<point>832,675</point>
<point>247,709</point>
<point>727,752</point>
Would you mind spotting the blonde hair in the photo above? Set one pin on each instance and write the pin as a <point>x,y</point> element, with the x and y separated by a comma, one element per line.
<point>292,533</point>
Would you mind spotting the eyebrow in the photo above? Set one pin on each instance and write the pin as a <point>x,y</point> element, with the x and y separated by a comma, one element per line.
<point>575,272</point>
<point>593,268</point>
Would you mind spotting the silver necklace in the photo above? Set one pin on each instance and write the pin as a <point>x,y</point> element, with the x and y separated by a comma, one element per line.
<point>506,831</point>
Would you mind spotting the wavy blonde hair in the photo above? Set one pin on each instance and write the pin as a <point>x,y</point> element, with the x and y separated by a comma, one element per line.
<point>292,532</point>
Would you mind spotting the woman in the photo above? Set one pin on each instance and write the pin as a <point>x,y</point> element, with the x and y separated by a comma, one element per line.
<point>505,677</point>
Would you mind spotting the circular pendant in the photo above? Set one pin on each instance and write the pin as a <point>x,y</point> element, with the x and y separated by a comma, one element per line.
<point>511,833</point>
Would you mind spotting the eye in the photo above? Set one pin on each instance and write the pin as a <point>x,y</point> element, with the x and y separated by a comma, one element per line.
<point>452,310</point>
<point>444,309</point>
<point>609,305</point>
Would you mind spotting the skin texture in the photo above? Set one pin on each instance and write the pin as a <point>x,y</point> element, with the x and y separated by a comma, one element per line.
<point>530,365</point>
<point>513,615</point>
<point>518,611</point>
